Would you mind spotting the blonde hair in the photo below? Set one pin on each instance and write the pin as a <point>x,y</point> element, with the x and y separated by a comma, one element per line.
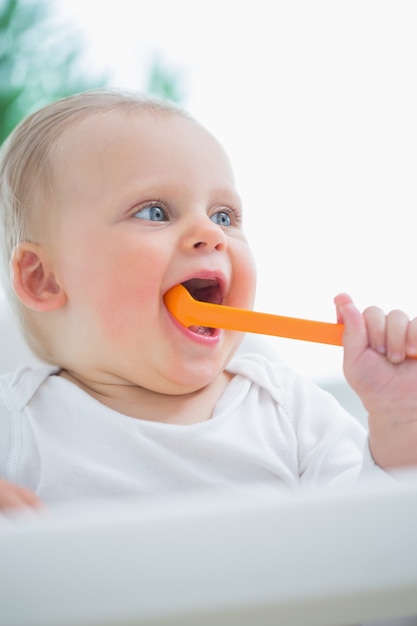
<point>26,159</point>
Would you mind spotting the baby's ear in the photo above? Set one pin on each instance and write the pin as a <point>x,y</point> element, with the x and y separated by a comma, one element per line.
<point>34,280</point>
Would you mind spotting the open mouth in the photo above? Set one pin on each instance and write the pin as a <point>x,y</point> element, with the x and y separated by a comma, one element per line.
<point>204,290</point>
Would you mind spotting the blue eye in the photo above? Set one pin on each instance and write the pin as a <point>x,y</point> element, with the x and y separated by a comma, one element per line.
<point>153,213</point>
<point>221,218</point>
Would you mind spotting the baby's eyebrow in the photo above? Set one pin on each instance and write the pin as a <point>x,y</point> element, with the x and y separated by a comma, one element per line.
<point>228,195</point>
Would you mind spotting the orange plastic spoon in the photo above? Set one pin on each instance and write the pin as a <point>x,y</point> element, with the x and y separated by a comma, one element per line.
<point>190,312</point>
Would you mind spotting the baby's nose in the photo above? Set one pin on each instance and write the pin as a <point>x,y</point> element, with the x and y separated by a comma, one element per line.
<point>208,235</point>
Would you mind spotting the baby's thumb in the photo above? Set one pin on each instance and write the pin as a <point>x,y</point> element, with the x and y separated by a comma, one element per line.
<point>355,336</point>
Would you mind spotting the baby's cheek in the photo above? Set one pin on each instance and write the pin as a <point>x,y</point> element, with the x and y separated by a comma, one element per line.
<point>245,282</point>
<point>126,312</point>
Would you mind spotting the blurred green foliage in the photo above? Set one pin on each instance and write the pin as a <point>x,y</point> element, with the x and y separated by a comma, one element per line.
<point>165,82</point>
<point>41,61</point>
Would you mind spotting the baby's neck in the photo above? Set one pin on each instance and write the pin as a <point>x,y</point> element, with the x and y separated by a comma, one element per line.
<point>141,403</point>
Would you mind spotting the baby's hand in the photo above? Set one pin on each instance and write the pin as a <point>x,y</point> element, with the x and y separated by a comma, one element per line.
<point>379,366</point>
<point>14,497</point>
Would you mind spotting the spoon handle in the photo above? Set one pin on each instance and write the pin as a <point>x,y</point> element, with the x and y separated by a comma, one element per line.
<point>190,312</point>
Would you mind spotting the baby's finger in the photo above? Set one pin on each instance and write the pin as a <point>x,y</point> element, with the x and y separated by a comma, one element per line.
<point>396,336</point>
<point>376,326</point>
<point>14,496</point>
<point>412,338</point>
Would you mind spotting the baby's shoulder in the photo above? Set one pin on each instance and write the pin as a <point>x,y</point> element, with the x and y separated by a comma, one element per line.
<point>286,386</point>
<point>17,388</point>
<point>266,370</point>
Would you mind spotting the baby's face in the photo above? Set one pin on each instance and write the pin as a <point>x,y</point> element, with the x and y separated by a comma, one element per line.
<point>145,201</point>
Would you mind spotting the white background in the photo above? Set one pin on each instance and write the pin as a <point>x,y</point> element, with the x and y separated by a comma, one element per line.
<point>316,103</point>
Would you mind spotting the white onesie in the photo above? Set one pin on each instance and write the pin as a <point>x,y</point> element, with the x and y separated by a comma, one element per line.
<point>270,427</point>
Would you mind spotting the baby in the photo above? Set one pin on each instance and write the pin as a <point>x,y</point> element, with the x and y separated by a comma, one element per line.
<point>108,199</point>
